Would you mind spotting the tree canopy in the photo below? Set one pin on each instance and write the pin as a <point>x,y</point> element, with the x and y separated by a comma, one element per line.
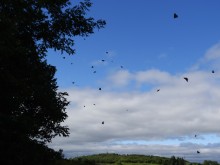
<point>32,109</point>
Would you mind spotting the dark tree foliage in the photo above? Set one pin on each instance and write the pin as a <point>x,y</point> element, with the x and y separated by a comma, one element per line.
<point>209,162</point>
<point>31,107</point>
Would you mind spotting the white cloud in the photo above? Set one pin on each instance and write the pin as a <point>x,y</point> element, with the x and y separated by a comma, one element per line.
<point>213,53</point>
<point>134,80</point>
<point>153,76</point>
<point>210,60</point>
<point>119,78</point>
<point>174,111</point>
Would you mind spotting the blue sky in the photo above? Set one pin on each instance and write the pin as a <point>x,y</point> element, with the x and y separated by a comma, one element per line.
<point>156,52</point>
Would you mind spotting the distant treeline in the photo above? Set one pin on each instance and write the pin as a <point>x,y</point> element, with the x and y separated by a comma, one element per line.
<point>116,159</point>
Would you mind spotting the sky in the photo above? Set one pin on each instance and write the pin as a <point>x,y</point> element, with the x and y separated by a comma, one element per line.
<point>145,103</point>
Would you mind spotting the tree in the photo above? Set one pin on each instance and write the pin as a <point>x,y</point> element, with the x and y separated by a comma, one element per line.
<point>209,162</point>
<point>32,109</point>
<point>172,160</point>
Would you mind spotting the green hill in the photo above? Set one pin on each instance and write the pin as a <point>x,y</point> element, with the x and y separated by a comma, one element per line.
<point>116,159</point>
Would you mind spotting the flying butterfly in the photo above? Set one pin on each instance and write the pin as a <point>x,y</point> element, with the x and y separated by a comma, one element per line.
<point>175,16</point>
<point>186,79</point>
